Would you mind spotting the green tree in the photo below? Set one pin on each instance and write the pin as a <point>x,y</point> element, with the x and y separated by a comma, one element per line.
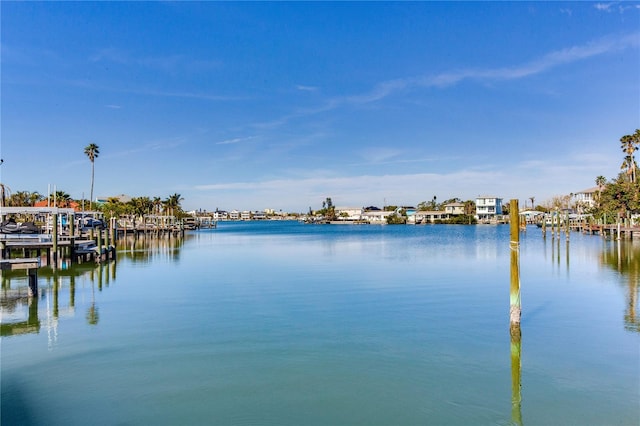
<point>4,193</point>
<point>618,198</point>
<point>141,206</point>
<point>157,205</point>
<point>19,198</point>
<point>172,204</point>
<point>113,207</point>
<point>601,181</point>
<point>396,219</point>
<point>92,151</point>
<point>629,145</point>
<point>34,197</point>
<point>60,199</point>
<point>469,207</point>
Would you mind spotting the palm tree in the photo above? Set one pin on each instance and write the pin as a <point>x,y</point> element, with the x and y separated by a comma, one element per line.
<point>60,199</point>
<point>629,145</point>
<point>34,197</point>
<point>172,203</point>
<point>532,199</point>
<point>4,193</point>
<point>92,151</point>
<point>157,204</point>
<point>601,181</point>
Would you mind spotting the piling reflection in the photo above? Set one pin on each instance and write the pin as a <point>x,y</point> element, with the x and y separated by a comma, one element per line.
<point>30,325</point>
<point>58,292</point>
<point>516,387</point>
<point>624,257</point>
<point>143,248</point>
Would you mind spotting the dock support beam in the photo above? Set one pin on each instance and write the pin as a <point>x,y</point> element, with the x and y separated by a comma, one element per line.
<point>54,231</point>
<point>514,294</point>
<point>33,282</point>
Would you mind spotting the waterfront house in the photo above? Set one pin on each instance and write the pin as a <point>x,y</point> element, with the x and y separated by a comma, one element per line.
<point>488,208</point>
<point>587,197</point>
<point>234,215</point>
<point>531,216</point>
<point>377,217</point>
<point>454,209</point>
<point>123,198</point>
<point>258,215</point>
<point>349,213</point>
<point>430,216</point>
<point>245,215</point>
<point>220,215</point>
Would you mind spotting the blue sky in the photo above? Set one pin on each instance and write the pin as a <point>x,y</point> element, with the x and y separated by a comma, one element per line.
<point>280,105</point>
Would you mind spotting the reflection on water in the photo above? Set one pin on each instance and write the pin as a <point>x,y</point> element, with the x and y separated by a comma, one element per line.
<point>516,374</point>
<point>328,325</point>
<point>624,257</point>
<point>143,248</point>
<point>15,304</point>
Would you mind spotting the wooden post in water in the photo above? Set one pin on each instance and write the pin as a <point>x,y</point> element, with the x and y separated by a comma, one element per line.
<point>56,288</point>
<point>54,230</point>
<point>72,238</point>
<point>99,244</point>
<point>33,282</point>
<point>516,395</point>
<point>72,291</point>
<point>114,230</point>
<point>514,295</point>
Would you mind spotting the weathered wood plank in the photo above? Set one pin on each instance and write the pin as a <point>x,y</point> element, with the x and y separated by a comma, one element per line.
<point>15,264</point>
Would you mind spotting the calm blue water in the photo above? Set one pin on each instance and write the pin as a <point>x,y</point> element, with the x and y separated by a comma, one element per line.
<point>287,324</point>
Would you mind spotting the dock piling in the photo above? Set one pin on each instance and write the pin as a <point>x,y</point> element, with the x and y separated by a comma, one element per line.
<point>514,295</point>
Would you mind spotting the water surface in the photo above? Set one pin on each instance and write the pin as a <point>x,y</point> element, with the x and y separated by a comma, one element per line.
<point>290,324</point>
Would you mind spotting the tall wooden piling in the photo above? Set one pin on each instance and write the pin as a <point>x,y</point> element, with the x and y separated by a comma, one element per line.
<point>514,294</point>
<point>516,374</point>
<point>54,235</point>
<point>99,243</point>
<point>72,238</point>
<point>33,282</point>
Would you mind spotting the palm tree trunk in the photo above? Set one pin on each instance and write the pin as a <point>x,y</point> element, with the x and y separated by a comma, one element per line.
<point>91,194</point>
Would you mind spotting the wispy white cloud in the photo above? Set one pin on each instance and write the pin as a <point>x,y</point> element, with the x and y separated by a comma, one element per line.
<point>153,92</point>
<point>535,177</point>
<point>306,88</point>
<point>168,63</point>
<point>378,155</point>
<point>111,106</point>
<point>566,11</point>
<point>604,6</point>
<point>235,140</point>
<point>622,7</point>
<point>542,64</point>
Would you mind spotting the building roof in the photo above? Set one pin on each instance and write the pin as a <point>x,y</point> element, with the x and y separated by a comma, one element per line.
<point>589,190</point>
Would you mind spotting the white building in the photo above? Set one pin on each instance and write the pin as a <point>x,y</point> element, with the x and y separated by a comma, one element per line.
<point>587,197</point>
<point>454,209</point>
<point>488,207</point>
<point>349,213</point>
<point>378,217</point>
<point>430,216</point>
